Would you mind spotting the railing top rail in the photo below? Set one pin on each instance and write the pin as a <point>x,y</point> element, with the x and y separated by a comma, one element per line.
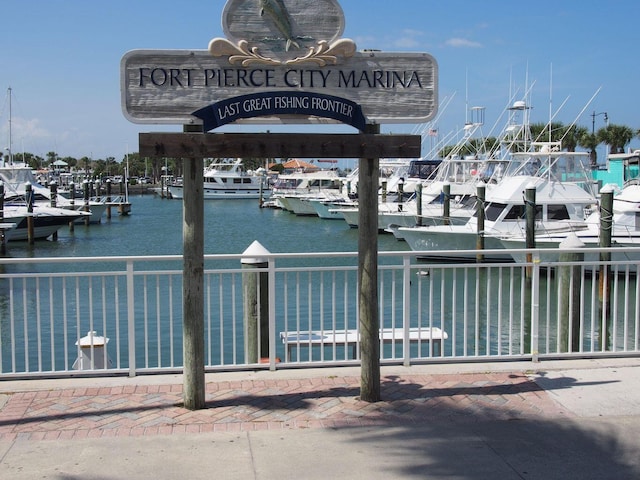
<point>446,254</point>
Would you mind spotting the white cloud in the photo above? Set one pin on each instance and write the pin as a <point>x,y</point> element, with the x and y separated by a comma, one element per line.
<point>25,134</point>
<point>462,43</point>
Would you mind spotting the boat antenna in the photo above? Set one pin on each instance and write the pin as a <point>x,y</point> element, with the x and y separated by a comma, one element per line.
<point>10,133</point>
<point>581,112</point>
<point>550,98</point>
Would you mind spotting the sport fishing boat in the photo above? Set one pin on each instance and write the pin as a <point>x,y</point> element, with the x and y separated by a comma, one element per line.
<point>227,179</point>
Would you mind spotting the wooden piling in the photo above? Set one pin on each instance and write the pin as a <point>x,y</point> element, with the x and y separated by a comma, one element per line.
<point>530,225</point>
<point>446,203</point>
<point>108,199</point>
<point>53,193</point>
<point>193,284</point>
<point>368,275</point>
<point>255,287</point>
<point>419,203</point>
<point>72,202</point>
<point>480,200</point>
<point>569,280</point>
<point>604,274</point>
<point>85,191</point>
<point>30,231</point>
<point>3,238</point>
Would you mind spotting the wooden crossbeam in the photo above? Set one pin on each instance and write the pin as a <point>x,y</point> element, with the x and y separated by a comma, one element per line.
<point>278,145</point>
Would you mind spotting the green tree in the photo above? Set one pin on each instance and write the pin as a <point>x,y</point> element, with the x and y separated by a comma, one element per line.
<point>545,132</point>
<point>616,136</point>
<point>571,137</point>
<point>51,157</point>
<point>71,161</point>
<point>589,141</point>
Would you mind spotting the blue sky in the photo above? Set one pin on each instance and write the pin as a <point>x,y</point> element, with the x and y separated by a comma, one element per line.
<point>62,60</point>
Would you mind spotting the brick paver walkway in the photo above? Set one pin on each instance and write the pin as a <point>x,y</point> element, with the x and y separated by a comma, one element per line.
<point>324,402</point>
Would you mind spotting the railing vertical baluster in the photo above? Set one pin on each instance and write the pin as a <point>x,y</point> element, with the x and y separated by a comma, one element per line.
<point>116,299</point>
<point>512,288</point>
<point>234,316</point>
<point>145,319</point>
<point>209,337</point>
<point>487,315</point>
<point>105,360</point>
<point>476,310</point>
<point>321,312</point>
<point>78,317</point>
<point>406,310</point>
<point>583,308</point>
<point>171,347</point>
<point>627,299</point>
<point>594,315</point>
<point>535,308</point>
<point>614,308</point>
<point>442,316</point>
<point>25,324</point>
<point>345,301</point>
<point>271,282</point>
<point>52,327</point>
<point>158,322</point>
<point>334,314</point>
<point>131,318</point>
<point>636,327</point>
<point>38,326</point>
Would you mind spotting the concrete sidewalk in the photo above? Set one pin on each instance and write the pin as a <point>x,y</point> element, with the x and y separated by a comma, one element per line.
<point>564,419</point>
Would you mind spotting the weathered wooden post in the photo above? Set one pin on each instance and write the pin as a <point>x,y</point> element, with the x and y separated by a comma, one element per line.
<point>530,225</point>
<point>86,185</point>
<point>3,239</point>
<point>480,199</point>
<point>30,232</point>
<point>446,203</point>
<point>72,203</point>
<point>419,203</point>
<point>255,287</point>
<point>604,276</point>
<point>400,194</point>
<point>569,277</point>
<point>53,200</point>
<point>108,199</point>
<point>368,275</point>
<point>261,193</point>
<point>193,284</point>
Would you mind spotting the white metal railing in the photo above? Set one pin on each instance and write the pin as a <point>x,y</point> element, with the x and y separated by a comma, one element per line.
<point>429,312</point>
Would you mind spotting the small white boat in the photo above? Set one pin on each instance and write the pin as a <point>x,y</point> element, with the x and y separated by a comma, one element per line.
<point>46,220</point>
<point>227,179</point>
<point>290,189</point>
<point>16,176</point>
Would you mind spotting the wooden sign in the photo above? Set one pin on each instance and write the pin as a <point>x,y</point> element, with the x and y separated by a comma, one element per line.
<point>283,61</point>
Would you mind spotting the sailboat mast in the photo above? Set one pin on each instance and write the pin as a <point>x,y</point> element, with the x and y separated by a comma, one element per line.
<point>10,134</point>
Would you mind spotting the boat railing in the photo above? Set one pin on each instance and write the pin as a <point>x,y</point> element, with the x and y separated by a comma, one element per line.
<point>301,310</point>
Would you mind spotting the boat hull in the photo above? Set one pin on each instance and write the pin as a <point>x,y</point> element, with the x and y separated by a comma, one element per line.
<point>445,239</point>
<point>177,192</point>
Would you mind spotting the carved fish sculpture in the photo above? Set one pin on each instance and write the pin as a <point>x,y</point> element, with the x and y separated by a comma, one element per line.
<point>277,11</point>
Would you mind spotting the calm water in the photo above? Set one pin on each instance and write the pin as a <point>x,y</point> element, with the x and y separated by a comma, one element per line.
<point>155,228</point>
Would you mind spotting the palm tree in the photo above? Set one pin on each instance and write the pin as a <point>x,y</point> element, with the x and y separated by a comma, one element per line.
<point>616,136</point>
<point>571,137</point>
<point>590,141</point>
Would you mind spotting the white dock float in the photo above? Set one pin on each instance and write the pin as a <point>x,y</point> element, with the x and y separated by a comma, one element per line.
<point>351,338</point>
